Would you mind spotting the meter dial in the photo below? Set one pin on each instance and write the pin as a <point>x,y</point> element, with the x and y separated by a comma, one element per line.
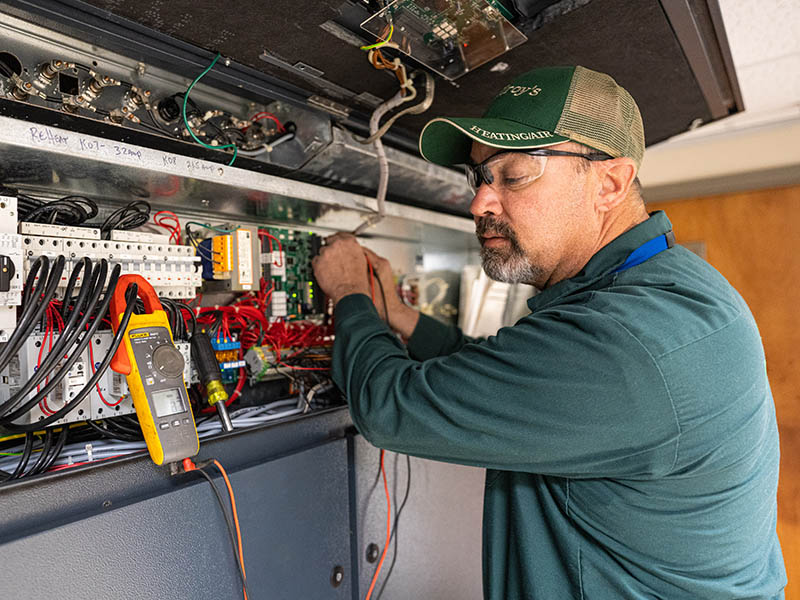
<point>168,361</point>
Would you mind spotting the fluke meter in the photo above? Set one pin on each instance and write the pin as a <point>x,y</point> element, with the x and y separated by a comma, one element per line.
<point>153,368</point>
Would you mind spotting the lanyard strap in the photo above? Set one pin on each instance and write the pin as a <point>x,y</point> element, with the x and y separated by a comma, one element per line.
<point>647,251</point>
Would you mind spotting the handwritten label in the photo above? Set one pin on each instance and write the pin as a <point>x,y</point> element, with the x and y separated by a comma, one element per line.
<point>169,161</point>
<point>90,145</point>
<point>196,165</point>
<point>43,135</point>
<point>120,150</point>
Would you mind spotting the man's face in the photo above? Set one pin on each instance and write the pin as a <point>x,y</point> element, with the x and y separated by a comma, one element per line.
<point>528,232</point>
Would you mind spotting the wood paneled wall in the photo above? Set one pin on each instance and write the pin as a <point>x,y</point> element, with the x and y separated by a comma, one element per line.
<point>753,239</point>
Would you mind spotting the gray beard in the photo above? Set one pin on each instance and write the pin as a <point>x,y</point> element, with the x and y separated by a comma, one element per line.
<point>509,267</point>
<point>505,265</point>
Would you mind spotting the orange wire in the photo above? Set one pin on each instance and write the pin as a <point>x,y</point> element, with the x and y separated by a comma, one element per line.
<point>236,517</point>
<point>388,528</point>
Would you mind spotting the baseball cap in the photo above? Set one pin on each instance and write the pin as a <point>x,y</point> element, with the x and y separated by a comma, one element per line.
<point>540,108</point>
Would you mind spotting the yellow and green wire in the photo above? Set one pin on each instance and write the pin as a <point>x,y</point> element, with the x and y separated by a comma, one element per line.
<point>381,43</point>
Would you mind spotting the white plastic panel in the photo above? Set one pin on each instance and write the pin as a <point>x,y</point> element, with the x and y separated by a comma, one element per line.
<point>11,246</point>
<point>171,269</point>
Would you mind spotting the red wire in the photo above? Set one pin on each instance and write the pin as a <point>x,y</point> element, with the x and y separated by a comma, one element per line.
<point>97,385</point>
<point>270,237</point>
<point>43,406</point>
<point>388,528</point>
<point>169,221</point>
<point>271,117</point>
<point>86,462</point>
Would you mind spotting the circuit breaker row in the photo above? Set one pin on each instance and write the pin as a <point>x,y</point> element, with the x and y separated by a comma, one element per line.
<point>170,269</point>
<point>109,397</point>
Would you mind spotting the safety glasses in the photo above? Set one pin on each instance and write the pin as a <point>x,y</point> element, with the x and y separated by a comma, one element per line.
<point>514,169</point>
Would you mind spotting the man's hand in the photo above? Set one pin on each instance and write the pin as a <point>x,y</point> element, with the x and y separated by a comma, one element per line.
<point>341,267</point>
<point>401,318</point>
<point>341,270</point>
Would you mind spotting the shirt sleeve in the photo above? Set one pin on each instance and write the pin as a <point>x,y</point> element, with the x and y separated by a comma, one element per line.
<point>432,338</point>
<point>566,392</point>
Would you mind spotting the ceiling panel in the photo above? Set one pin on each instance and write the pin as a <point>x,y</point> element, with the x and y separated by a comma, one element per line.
<point>632,41</point>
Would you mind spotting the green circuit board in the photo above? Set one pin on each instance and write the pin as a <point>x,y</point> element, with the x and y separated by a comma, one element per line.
<point>451,37</point>
<point>289,274</point>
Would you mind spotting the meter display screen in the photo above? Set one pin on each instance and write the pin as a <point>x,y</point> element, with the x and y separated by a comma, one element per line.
<point>168,402</point>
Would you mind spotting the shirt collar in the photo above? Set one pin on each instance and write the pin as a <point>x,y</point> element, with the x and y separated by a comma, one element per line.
<point>608,258</point>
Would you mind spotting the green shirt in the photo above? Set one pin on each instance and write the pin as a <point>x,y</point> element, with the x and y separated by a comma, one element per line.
<point>626,424</point>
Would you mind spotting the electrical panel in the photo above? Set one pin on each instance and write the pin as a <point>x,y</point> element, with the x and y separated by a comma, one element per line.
<point>110,397</point>
<point>10,266</point>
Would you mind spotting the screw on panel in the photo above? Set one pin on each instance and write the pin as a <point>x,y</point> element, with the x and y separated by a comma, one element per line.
<point>337,577</point>
<point>373,551</point>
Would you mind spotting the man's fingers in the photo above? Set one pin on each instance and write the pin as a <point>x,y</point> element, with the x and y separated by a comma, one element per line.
<point>374,258</point>
<point>341,235</point>
<point>378,262</point>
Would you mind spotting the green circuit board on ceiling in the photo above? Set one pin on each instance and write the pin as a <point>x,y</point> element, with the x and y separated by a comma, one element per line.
<point>451,37</point>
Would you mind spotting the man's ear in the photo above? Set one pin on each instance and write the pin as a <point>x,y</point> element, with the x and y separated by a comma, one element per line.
<point>616,178</point>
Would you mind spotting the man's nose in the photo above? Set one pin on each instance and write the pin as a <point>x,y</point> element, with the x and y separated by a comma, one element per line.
<point>486,202</point>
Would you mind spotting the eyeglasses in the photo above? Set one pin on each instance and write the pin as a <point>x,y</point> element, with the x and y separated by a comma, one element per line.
<point>514,169</point>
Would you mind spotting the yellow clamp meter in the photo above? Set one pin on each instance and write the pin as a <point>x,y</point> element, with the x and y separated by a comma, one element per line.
<point>153,368</point>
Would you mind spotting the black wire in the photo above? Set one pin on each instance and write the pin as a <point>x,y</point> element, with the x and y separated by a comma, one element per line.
<point>60,442</point>
<point>184,306</point>
<point>93,278</point>
<point>43,262</point>
<point>26,455</point>
<point>383,296</point>
<point>115,424</point>
<point>394,528</point>
<point>32,312</point>
<point>5,69</point>
<point>105,432</point>
<point>69,210</point>
<point>231,530</point>
<point>101,369</point>
<point>48,442</point>
<point>130,420</point>
<point>158,130</point>
<point>132,215</point>
<point>73,279</point>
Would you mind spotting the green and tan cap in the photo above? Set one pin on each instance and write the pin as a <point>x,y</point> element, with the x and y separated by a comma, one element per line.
<point>544,107</point>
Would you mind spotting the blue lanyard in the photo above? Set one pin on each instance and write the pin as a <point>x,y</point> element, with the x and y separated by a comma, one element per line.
<point>647,251</point>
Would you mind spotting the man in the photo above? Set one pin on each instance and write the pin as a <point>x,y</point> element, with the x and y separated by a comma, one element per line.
<point>626,424</point>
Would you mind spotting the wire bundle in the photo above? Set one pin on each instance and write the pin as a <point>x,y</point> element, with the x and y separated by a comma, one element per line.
<point>69,210</point>
<point>169,221</point>
<point>77,321</point>
<point>132,215</point>
<point>115,431</point>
